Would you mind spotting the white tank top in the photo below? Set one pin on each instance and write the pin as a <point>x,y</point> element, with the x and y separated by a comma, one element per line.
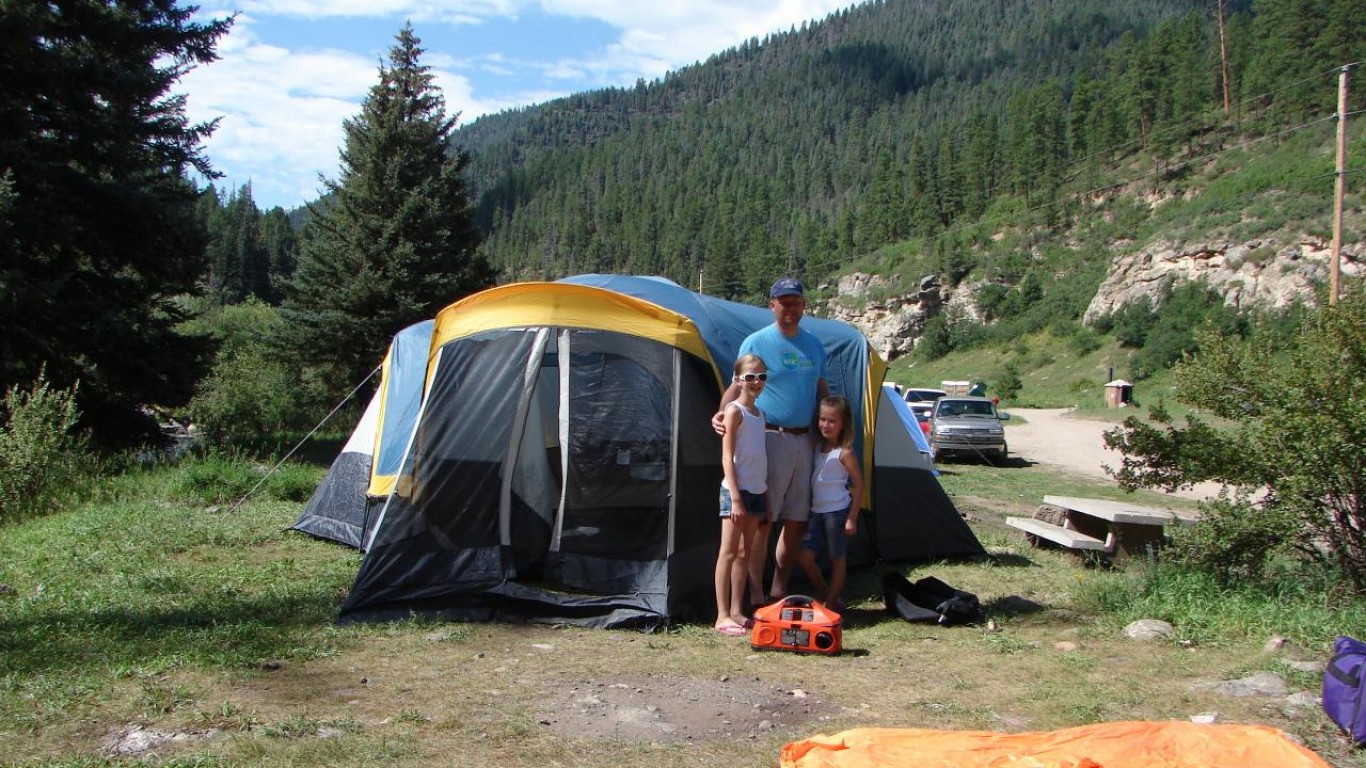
<point>829,483</point>
<point>751,462</point>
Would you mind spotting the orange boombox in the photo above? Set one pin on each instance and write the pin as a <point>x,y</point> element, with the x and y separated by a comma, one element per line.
<point>796,623</point>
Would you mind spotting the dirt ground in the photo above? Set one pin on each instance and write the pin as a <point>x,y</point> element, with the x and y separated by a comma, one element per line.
<point>1056,437</point>
<point>681,708</point>
<point>704,692</point>
<point>677,708</point>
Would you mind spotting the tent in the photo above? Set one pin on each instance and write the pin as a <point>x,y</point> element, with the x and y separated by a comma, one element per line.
<point>909,517</point>
<point>563,467</point>
<point>345,504</point>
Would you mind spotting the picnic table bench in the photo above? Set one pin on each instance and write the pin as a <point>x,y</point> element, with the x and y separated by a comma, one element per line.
<point>1117,529</point>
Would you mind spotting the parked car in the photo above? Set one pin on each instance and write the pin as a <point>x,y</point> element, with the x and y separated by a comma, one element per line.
<point>922,399</point>
<point>922,394</point>
<point>968,425</point>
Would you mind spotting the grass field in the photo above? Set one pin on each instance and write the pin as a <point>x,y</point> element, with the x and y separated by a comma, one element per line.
<point>160,626</point>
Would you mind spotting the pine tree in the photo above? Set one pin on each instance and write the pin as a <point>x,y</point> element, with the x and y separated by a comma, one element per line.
<point>282,250</point>
<point>101,233</point>
<point>394,240</point>
<point>238,262</point>
<point>978,164</point>
<point>1286,31</point>
<point>1339,44</point>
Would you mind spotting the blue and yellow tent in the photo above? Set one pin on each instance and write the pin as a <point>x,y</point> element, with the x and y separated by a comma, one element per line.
<point>346,503</point>
<point>563,468</point>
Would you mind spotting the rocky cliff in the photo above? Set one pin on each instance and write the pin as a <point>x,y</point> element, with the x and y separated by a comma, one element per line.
<point>1266,272</point>
<point>1257,273</point>
<point>893,322</point>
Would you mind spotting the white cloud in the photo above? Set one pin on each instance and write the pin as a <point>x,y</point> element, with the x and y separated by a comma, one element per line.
<point>280,113</point>
<point>449,10</point>
<point>281,108</point>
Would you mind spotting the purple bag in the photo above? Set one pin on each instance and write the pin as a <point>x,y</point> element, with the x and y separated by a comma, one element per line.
<point>1342,684</point>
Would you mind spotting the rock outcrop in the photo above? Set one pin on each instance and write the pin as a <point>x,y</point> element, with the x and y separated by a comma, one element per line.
<point>1265,272</point>
<point>892,321</point>
<point>1256,273</point>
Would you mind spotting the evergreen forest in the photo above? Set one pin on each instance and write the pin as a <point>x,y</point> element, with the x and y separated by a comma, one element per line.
<point>896,137</point>
<point>891,121</point>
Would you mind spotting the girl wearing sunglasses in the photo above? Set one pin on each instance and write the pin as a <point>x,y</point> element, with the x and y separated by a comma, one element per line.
<point>744,466</point>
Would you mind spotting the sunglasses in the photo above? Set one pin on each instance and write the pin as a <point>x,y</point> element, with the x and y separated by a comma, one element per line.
<point>750,378</point>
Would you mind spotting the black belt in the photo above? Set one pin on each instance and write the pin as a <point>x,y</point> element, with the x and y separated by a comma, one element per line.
<point>787,430</point>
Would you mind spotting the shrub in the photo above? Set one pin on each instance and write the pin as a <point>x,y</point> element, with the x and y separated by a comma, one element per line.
<point>292,482</point>
<point>1291,424</point>
<point>220,476</point>
<point>249,393</point>
<point>1132,322</point>
<point>935,342</point>
<point>42,459</point>
<point>246,396</point>
<point>1185,309</point>
<point>1085,341</point>
<point>1008,383</point>
<point>1234,542</point>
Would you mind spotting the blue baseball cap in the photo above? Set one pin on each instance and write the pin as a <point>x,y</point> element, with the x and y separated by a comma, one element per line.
<point>786,286</point>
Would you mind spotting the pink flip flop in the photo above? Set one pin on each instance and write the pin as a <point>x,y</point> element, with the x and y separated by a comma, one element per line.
<point>732,630</point>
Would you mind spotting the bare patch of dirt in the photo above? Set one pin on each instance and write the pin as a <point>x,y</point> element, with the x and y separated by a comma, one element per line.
<point>674,708</point>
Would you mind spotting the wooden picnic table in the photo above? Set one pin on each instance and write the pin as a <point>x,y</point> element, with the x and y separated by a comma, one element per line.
<point>1117,529</point>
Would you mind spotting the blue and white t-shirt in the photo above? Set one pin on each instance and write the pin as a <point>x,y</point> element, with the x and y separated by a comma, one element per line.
<point>795,365</point>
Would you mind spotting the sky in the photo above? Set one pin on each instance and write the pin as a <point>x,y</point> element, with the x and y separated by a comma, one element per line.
<point>291,71</point>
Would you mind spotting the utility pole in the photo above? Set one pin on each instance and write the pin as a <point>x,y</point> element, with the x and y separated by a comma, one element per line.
<point>701,279</point>
<point>1340,185</point>
<point>1223,57</point>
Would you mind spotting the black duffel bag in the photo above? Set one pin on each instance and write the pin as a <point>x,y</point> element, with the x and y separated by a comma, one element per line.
<point>929,600</point>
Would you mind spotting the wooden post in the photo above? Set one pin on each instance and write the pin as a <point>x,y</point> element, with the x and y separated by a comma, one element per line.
<point>1340,186</point>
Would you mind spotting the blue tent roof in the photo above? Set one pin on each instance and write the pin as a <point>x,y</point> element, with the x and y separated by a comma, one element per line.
<point>725,324</point>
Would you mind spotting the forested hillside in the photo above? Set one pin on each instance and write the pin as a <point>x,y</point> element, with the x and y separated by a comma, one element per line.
<point>1014,148</point>
<point>892,121</point>
<point>892,125</point>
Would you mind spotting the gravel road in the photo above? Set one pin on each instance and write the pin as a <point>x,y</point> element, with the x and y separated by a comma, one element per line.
<point>1055,437</point>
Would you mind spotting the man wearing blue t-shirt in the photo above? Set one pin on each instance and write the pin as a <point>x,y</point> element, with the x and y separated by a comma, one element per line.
<point>796,383</point>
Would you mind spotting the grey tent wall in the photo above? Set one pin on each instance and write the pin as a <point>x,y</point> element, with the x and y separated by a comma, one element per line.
<point>461,541</point>
<point>912,519</point>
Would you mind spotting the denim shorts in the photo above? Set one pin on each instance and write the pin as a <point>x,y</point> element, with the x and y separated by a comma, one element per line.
<point>754,504</point>
<point>827,529</point>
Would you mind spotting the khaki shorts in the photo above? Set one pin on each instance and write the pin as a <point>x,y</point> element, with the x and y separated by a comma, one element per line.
<point>789,476</point>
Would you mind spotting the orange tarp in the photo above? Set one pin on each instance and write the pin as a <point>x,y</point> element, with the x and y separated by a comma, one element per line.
<point>1105,745</point>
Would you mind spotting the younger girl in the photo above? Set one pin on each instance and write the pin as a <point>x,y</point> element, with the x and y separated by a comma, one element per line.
<point>745,468</point>
<point>836,492</point>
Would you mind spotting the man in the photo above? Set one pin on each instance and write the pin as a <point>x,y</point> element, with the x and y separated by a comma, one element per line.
<point>795,360</point>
